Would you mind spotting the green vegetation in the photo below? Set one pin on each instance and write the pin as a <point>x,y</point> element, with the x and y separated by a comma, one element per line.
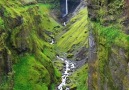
<point>77,32</point>
<point>111,35</point>
<point>30,74</point>
<point>27,29</point>
<point>1,23</point>
<point>109,40</point>
<point>80,78</point>
<point>72,40</point>
<point>70,55</point>
<point>110,29</point>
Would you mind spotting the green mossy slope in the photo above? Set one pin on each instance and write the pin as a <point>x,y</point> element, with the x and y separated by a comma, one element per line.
<point>112,35</point>
<point>24,36</point>
<point>30,74</point>
<point>79,79</point>
<point>76,33</point>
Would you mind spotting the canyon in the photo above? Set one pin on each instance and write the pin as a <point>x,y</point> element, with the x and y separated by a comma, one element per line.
<point>64,45</point>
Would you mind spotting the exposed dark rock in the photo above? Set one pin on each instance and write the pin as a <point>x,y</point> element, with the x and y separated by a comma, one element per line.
<point>15,21</point>
<point>125,22</point>
<point>82,54</point>
<point>72,4</point>
<point>2,11</point>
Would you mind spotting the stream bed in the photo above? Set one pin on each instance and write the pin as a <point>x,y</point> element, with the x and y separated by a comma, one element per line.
<point>69,67</point>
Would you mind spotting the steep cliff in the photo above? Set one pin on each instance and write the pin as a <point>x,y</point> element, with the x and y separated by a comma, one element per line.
<point>26,29</point>
<point>109,68</point>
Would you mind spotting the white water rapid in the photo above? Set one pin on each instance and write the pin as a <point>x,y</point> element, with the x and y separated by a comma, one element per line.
<point>68,69</point>
<point>52,42</point>
<point>64,23</point>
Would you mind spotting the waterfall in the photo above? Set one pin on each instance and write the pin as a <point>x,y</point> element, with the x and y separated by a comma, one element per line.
<point>66,8</point>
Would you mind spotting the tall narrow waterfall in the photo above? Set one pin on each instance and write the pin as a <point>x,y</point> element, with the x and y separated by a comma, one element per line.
<point>64,7</point>
<point>66,12</point>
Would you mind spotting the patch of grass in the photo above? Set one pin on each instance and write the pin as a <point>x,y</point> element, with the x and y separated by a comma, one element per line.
<point>70,55</point>
<point>79,78</point>
<point>1,24</point>
<point>30,74</point>
<point>57,73</point>
<point>112,35</point>
<point>49,52</point>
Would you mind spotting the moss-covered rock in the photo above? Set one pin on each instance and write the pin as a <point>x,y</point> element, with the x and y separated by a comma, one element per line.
<point>30,72</point>
<point>22,30</point>
<point>112,59</point>
<point>109,68</point>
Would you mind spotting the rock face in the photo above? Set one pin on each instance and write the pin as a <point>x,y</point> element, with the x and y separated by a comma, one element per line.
<point>109,12</point>
<point>71,6</point>
<point>108,67</point>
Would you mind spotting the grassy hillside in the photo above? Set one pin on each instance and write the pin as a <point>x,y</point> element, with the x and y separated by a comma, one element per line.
<point>77,32</point>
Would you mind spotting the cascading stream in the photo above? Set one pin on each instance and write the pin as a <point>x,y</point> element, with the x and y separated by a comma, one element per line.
<point>69,68</point>
<point>52,42</point>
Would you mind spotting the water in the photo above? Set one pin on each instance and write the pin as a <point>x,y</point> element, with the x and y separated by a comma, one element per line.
<point>52,42</point>
<point>69,68</point>
<point>91,41</point>
<point>64,23</point>
<point>66,8</point>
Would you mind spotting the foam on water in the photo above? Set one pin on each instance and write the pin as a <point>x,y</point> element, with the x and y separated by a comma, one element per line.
<point>69,67</point>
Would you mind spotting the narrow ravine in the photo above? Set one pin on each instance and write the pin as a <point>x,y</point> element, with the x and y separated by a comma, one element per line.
<point>67,71</point>
<point>68,68</point>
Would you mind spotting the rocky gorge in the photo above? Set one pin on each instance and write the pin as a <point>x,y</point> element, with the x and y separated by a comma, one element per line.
<point>64,45</point>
